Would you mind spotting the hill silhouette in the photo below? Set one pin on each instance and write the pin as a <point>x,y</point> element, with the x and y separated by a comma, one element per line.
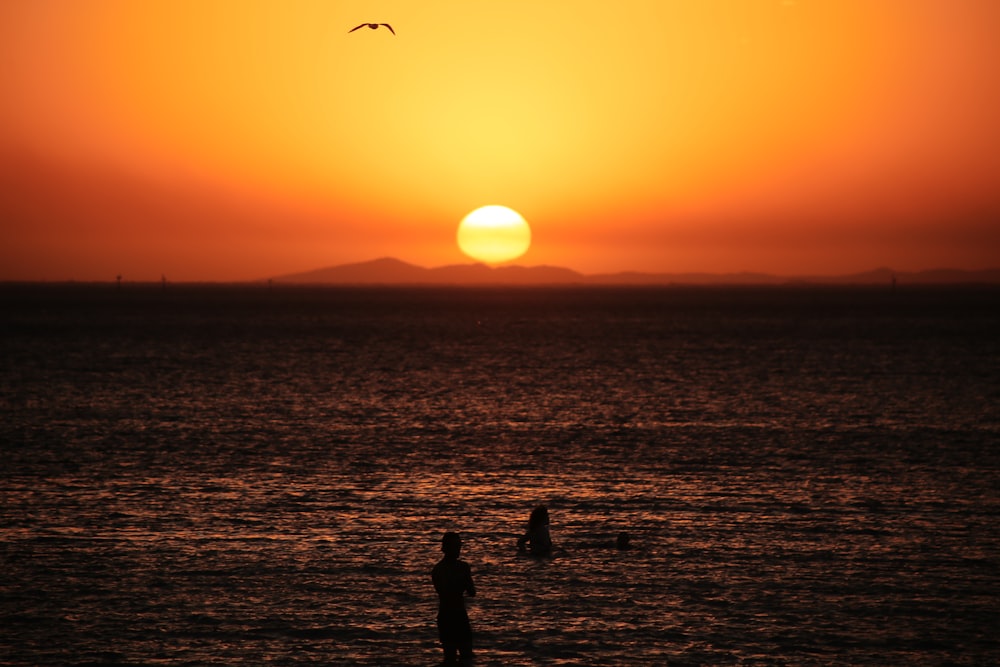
<point>391,271</point>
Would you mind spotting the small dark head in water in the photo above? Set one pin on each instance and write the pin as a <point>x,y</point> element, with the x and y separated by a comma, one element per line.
<point>624,541</point>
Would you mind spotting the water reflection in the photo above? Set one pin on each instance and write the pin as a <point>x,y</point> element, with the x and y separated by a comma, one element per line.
<point>229,484</point>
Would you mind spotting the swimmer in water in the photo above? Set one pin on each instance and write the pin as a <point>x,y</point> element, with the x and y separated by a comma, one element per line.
<point>537,540</point>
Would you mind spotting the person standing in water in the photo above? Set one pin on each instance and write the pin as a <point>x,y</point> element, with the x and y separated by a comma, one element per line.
<point>537,541</point>
<point>453,581</point>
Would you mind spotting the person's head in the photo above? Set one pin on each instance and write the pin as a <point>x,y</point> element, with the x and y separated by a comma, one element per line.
<point>539,517</point>
<point>451,544</point>
<point>624,541</point>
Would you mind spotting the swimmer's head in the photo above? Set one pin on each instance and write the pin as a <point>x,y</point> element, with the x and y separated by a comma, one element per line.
<point>451,544</point>
<point>539,517</point>
<point>624,541</point>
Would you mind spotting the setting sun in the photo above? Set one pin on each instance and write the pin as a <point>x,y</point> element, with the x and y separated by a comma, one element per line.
<point>494,234</point>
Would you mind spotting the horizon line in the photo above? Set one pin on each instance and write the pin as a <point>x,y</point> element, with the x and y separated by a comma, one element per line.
<point>877,276</point>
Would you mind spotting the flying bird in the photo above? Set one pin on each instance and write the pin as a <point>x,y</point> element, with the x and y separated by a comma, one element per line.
<point>373,26</point>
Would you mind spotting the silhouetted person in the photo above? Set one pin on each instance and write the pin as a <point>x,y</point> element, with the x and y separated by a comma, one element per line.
<point>452,581</point>
<point>537,541</point>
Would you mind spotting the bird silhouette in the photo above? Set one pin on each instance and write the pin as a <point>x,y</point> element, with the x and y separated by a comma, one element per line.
<point>373,26</point>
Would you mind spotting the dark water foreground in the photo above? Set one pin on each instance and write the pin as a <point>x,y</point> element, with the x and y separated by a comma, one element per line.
<point>242,476</point>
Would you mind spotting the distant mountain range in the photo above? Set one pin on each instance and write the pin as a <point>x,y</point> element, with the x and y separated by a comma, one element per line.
<point>389,271</point>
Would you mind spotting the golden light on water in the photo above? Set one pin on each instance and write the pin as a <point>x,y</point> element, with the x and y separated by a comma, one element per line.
<point>494,234</point>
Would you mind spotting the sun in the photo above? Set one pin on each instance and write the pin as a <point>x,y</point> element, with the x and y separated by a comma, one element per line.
<point>494,234</point>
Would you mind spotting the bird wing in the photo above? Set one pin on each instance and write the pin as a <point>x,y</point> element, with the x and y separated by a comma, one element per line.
<point>355,28</point>
<point>389,27</point>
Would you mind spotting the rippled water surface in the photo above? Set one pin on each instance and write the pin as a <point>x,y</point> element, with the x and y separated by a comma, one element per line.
<point>224,475</point>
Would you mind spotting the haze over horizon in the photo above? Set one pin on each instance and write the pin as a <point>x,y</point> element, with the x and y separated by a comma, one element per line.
<point>228,141</point>
<point>390,271</point>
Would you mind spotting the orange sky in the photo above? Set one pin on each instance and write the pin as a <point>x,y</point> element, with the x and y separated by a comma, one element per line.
<point>240,139</point>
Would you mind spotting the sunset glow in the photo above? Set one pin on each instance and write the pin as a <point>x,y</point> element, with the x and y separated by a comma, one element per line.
<point>233,140</point>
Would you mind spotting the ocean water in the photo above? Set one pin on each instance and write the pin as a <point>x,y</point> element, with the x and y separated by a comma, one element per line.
<point>244,476</point>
